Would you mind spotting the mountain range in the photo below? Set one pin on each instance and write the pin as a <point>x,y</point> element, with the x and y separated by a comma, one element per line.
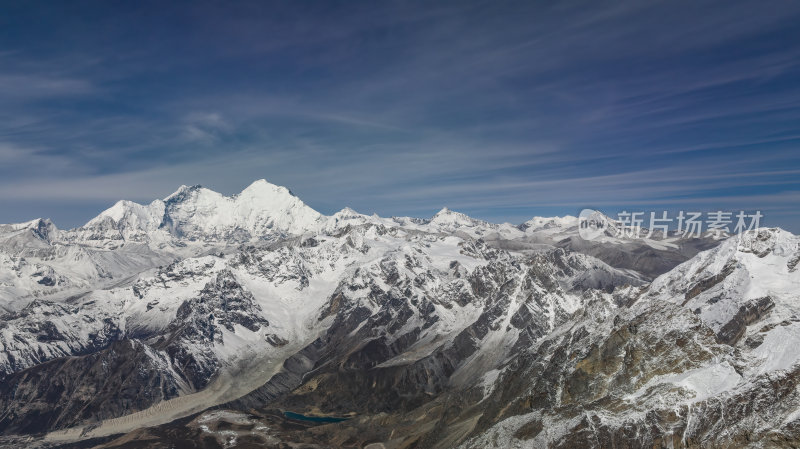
<point>208,321</point>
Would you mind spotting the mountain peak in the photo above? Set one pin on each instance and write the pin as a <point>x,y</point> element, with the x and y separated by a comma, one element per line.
<point>544,223</point>
<point>261,210</point>
<point>182,192</point>
<point>445,211</point>
<point>36,233</point>
<point>38,225</point>
<point>449,217</point>
<point>263,187</point>
<point>348,212</point>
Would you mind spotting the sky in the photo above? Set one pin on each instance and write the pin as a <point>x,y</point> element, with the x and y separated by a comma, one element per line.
<point>502,110</point>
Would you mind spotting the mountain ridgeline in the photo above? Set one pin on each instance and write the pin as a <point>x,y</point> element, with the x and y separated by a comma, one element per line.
<point>208,321</point>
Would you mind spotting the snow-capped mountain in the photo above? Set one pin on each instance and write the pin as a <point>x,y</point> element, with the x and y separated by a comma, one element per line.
<point>440,332</point>
<point>261,211</point>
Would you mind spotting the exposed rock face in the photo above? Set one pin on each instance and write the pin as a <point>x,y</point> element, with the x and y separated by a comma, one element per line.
<point>126,376</point>
<point>707,283</point>
<point>748,313</point>
<point>222,302</point>
<point>44,330</point>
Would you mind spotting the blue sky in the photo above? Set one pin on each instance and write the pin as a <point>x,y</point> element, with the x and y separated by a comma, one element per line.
<point>502,110</point>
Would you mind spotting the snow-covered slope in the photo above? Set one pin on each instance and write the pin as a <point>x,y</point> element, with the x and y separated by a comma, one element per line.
<point>707,356</point>
<point>34,234</point>
<point>738,282</point>
<point>431,332</point>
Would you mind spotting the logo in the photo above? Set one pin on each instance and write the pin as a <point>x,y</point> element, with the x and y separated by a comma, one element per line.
<point>593,224</point>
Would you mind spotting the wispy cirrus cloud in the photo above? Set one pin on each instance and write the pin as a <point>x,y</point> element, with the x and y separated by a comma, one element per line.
<point>32,87</point>
<point>207,128</point>
<point>503,110</point>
